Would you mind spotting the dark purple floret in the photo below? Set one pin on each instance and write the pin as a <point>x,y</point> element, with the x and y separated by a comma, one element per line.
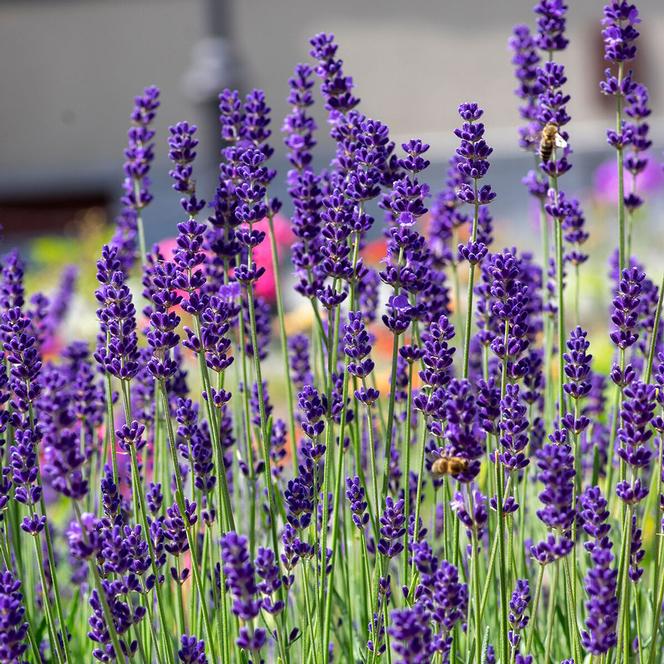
<point>574,233</point>
<point>577,370</point>
<point>517,611</point>
<point>551,25</point>
<point>633,437</point>
<point>524,659</point>
<point>513,428</point>
<point>63,464</point>
<point>175,525</point>
<point>473,164</point>
<point>625,308</point>
<point>195,445</point>
<point>131,435</point>
<point>525,61</point>
<point>189,259</point>
<point>357,346</point>
<point>267,570</point>
<point>405,202</point>
<point>294,549</point>
<point>299,126</point>
<point>392,528</point>
<point>13,626</point>
<point>462,436</point>
<point>239,573</point>
<point>556,465</point>
<point>407,261</point>
<point>336,87</point>
<point>192,651</point>
<point>255,130</point>
<point>313,407</point>
<point>22,356</point>
<point>638,111</point>
<point>216,319</point>
<point>182,144</point>
<point>507,297</point>
<point>278,447</point>
<point>551,549</point>
<point>437,354</point>
<point>474,517</point>
<point>411,635</point>
<point>447,601</point>
<point>299,502</point>
<point>139,156</point>
<point>12,292</point>
<point>601,580</point>
<point>117,349</point>
<point>619,32</point>
<point>636,551</point>
<point>358,505</point>
<point>298,346</point>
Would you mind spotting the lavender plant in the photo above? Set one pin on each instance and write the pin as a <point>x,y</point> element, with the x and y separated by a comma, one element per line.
<point>478,495</point>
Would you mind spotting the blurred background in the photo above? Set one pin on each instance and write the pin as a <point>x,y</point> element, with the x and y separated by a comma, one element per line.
<point>69,70</point>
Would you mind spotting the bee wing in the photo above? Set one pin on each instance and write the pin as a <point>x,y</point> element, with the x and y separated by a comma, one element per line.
<point>560,142</point>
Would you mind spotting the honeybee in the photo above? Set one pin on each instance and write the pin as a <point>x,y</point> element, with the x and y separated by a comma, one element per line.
<point>549,140</point>
<point>448,465</point>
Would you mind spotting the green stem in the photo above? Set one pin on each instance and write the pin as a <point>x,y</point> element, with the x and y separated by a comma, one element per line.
<point>535,607</point>
<point>471,286</point>
<point>179,496</point>
<point>551,610</point>
<point>655,333</point>
<point>622,259</point>
<point>390,415</point>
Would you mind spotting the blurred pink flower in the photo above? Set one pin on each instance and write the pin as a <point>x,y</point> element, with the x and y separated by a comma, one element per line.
<point>265,287</point>
<point>605,180</point>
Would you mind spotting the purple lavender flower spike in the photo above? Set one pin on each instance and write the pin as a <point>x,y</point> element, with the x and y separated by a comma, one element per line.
<point>240,577</point>
<point>577,370</point>
<point>13,626</point>
<point>392,528</point>
<point>358,505</point>
<point>182,152</point>
<point>139,156</point>
<point>556,465</point>
<point>298,345</point>
<point>525,61</point>
<point>12,291</point>
<point>601,580</point>
<point>551,549</point>
<point>411,635</point>
<point>517,612</point>
<point>336,87</point>
<point>632,439</point>
<point>638,111</point>
<point>192,651</point>
<point>551,25</point>
<point>267,570</point>
<point>619,32</point>
<point>513,426</point>
<point>117,348</point>
<point>625,308</point>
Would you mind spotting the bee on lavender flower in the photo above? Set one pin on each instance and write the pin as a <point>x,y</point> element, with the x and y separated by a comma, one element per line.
<point>548,140</point>
<point>448,465</point>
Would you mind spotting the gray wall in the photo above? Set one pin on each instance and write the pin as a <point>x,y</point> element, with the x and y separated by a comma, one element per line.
<point>69,70</point>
